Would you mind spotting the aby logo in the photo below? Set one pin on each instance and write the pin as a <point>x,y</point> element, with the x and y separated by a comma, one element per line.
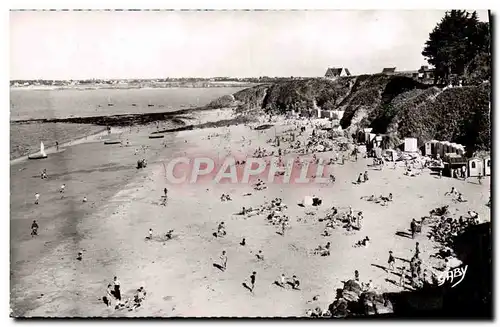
<point>452,275</point>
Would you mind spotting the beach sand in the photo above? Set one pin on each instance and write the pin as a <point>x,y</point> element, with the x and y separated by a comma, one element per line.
<point>179,275</point>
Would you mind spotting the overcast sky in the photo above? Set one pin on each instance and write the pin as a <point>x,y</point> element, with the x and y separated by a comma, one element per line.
<point>78,45</point>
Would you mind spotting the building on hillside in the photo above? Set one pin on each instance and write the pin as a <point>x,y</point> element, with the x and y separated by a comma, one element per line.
<point>389,71</point>
<point>332,73</point>
<point>425,73</point>
<point>410,144</point>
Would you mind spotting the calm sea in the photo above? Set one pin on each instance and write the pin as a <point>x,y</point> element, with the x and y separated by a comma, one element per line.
<point>36,104</point>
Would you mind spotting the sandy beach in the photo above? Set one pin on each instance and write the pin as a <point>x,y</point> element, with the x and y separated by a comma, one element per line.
<point>178,274</point>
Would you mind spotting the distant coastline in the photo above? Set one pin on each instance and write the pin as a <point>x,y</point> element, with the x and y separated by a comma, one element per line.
<point>133,86</point>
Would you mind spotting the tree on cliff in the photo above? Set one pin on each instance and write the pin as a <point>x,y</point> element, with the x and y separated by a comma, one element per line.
<point>459,44</point>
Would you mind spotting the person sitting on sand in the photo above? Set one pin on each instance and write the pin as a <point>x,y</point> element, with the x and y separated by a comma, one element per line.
<point>368,286</point>
<point>295,282</point>
<point>168,235</point>
<point>150,234</point>
<point>324,251</point>
<point>360,179</point>
<point>452,192</point>
<point>326,232</point>
<point>34,228</point>
<point>43,175</point>
<point>460,198</point>
<point>281,280</point>
<point>79,257</point>
<point>243,242</point>
<point>260,255</point>
<point>221,229</point>
<point>109,296</point>
<point>365,176</point>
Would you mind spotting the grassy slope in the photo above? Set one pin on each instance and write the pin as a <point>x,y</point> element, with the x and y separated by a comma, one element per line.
<point>390,104</point>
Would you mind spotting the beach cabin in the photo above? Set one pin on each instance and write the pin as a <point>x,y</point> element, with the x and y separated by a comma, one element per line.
<point>487,166</point>
<point>429,148</point>
<point>410,144</point>
<point>475,167</point>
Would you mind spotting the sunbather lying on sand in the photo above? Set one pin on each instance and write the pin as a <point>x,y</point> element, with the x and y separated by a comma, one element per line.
<point>323,251</point>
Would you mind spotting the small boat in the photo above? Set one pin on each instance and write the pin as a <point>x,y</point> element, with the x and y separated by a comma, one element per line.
<point>112,142</point>
<point>134,105</point>
<point>39,155</point>
<point>110,104</point>
<point>156,136</point>
<point>150,105</point>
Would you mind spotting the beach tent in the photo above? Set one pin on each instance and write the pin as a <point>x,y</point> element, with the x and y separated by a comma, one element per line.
<point>307,201</point>
<point>429,148</point>
<point>411,144</point>
<point>475,167</point>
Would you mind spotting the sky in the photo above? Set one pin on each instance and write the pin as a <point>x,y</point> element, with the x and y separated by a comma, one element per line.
<point>139,44</point>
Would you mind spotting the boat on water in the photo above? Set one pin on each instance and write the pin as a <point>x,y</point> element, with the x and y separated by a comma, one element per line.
<point>39,155</point>
<point>156,136</point>
<point>110,104</point>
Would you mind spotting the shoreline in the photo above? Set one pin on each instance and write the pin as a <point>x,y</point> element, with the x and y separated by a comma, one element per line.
<point>51,150</point>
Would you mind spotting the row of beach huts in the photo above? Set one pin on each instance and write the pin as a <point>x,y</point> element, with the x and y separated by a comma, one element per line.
<point>452,154</point>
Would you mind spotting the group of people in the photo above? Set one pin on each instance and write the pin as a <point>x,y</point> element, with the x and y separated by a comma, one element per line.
<point>362,178</point>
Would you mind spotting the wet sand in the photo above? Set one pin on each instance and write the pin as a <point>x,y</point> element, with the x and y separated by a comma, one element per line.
<point>179,275</point>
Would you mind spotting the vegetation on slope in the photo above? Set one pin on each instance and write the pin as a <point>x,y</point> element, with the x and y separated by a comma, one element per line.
<point>394,105</point>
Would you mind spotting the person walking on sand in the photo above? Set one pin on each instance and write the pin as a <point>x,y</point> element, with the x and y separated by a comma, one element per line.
<point>109,295</point>
<point>283,227</point>
<point>117,285</point>
<point>57,146</point>
<point>417,249</point>
<point>34,229</point>
<point>413,227</point>
<point>223,259</point>
<point>479,178</point>
<point>391,261</point>
<point>252,280</point>
<point>37,197</point>
<point>165,191</point>
<point>150,237</point>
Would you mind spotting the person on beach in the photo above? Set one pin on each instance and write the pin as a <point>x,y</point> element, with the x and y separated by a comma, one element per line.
<point>366,176</point>
<point>165,191</point>
<point>402,278</point>
<point>360,179</point>
<point>34,229</point>
<point>84,199</point>
<point>252,280</point>
<point>413,227</point>
<point>451,192</point>
<point>79,257</point>
<point>37,197</point>
<point>295,282</point>
<point>43,175</point>
<point>281,281</point>
<point>221,229</point>
<point>417,249</point>
<point>391,261</point>
<point>223,259</point>
<point>109,296</point>
<point>117,285</point>
<point>57,146</point>
<point>260,256</point>
<point>460,198</point>
<point>283,227</point>
<point>356,275</point>
<point>243,242</point>
<point>479,178</point>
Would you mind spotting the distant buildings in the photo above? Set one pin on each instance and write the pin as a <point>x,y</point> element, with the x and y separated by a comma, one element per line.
<point>333,73</point>
<point>423,75</point>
